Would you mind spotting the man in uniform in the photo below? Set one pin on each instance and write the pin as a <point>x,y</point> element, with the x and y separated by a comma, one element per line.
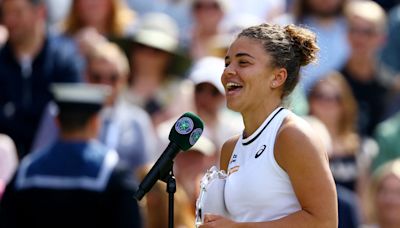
<point>76,181</point>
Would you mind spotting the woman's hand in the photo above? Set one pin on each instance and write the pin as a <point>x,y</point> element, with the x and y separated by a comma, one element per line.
<point>211,220</point>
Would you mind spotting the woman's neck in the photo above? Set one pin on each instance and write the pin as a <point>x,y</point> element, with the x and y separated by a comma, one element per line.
<point>254,118</point>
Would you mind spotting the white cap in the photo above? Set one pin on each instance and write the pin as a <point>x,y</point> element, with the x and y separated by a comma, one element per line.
<point>208,69</point>
<point>80,93</point>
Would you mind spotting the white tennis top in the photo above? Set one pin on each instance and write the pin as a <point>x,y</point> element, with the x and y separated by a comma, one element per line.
<point>257,188</point>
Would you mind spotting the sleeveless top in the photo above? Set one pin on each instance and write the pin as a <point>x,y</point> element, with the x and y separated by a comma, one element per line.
<point>257,188</point>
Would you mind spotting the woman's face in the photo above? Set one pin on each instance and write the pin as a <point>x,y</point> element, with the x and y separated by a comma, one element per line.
<point>325,102</point>
<point>101,71</point>
<point>388,201</point>
<point>247,75</point>
<point>207,12</point>
<point>93,12</point>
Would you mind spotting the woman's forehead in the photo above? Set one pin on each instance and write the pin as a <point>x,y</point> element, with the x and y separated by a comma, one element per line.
<point>244,45</point>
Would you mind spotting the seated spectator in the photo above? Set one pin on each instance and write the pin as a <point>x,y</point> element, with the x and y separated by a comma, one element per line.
<point>331,100</point>
<point>348,203</point>
<point>8,161</point>
<point>209,103</point>
<point>385,195</point>
<point>126,128</point>
<point>367,22</point>
<point>31,59</point>
<point>76,181</point>
<point>326,18</point>
<point>152,85</point>
<point>110,18</point>
<point>207,16</point>
<point>390,60</point>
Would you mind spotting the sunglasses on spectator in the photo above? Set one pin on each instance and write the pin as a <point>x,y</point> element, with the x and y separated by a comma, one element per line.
<point>331,98</point>
<point>205,5</point>
<point>143,47</point>
<point>370,32</point>
<point>97,77</point>
<point>206,88</point>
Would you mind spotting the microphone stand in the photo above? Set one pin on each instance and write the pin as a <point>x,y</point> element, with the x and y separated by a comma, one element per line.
<point>171,189</point>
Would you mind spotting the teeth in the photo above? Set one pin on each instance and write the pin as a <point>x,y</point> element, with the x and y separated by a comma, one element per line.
<point>231,85</point>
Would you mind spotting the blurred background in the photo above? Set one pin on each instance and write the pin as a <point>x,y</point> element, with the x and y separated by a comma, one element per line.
<point>162,58</point>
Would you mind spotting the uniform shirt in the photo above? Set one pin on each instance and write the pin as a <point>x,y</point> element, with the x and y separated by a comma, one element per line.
<point>70,184</point>
<point>125,128</point>
<point>257,188</point>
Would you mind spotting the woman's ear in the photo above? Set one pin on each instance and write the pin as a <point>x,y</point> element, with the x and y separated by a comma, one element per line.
<point>279,77</point>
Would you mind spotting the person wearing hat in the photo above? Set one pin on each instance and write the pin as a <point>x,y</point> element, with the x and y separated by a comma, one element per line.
<point>208,96</point>
<point>126,128</point>
<point>153,85</point>
<point>76,181</point>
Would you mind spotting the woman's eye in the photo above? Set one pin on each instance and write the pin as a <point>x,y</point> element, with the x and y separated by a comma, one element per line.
<point>226,64</point>
<point>243,62</point>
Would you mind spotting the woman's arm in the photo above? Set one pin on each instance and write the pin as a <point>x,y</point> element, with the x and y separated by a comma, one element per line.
<point>301,154</point>
<point>226,152</point>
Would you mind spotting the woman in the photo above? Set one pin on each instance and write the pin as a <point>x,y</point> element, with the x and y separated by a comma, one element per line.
<point>110,18</point>
<point>331,101</point>
<point>385,195</point>
<point>278,158</point>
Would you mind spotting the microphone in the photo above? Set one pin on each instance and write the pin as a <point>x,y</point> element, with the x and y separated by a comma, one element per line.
<point>183,135</point>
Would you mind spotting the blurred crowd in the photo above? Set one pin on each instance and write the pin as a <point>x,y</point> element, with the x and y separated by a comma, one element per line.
<point>162,58</point>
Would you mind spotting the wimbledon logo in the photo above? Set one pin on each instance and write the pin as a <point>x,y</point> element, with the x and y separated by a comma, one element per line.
<point>184,125</point>
<point>195,135</point>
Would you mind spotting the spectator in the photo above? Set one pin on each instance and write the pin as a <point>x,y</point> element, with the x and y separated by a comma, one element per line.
<point>111,18</point>
<point>209,103</point>
<point>367,22</point>
<point>153,86</point>
<point>385,195</point>
<point>31,59</point>
<point>390,60</point>
<point>77,181</point>
<point>348,203</point>
<point>391,51</point>
<point>126,128</point>
<point>332,102</point>
<point>387,135</point>
<point>207,16</point>
<point>327,20</point>
<point>179,10</point>
<point>8,161</point>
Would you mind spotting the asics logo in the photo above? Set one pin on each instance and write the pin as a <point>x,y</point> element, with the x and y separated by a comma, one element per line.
<point>260,151</point>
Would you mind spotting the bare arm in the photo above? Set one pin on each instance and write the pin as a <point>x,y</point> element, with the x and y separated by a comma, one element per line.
<point>302,156</point>
<point>226,152</point>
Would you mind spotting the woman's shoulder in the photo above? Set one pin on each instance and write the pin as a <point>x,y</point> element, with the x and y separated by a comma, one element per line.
<point>297,140</point>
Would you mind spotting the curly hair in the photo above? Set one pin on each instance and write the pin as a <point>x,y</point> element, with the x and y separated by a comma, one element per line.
<point>289,46</point>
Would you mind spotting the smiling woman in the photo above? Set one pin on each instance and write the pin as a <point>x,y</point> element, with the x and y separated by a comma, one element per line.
<point>287,185</point>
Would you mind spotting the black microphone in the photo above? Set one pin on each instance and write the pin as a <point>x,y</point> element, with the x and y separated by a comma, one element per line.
<point>183,135</point>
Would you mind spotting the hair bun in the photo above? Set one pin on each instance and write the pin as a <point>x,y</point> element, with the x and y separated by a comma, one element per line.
<point>304,43</point>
